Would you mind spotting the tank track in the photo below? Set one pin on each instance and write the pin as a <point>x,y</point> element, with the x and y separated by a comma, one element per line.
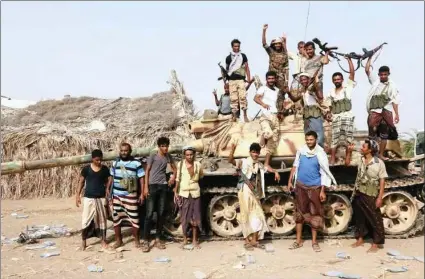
<point>405,183</point>
<point>392,183</point>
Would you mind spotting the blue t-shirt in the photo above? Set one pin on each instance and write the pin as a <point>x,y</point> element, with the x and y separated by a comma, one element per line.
<point>309,171</point>
<point>133,168</point>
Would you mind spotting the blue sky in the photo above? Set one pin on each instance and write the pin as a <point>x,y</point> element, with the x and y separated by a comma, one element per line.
<point>113,49</point>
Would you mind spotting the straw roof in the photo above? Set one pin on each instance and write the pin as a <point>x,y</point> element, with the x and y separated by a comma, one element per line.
<point>75,126</point>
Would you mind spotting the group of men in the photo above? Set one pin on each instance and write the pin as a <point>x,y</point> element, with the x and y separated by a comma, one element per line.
<point>306,90</point>
<point>121,190</point>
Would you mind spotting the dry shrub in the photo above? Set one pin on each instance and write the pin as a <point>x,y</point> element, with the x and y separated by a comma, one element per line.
<point>138,121</point>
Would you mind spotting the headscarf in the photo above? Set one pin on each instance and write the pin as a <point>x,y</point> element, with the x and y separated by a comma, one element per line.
<point>189,148</point>
<point>277,41</point>
<point>374,146</point>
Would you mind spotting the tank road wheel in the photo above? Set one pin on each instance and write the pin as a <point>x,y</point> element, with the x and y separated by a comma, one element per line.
<point>399,211</point>
<point>279,210</point>
<point>224,215</point>
<point>338,213</point>
<point>172,224</point>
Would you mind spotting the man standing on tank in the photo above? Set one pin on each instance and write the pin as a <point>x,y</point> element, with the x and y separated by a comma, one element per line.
<point>238,71</point>
<point>310,175</point>
<point>382,100</point>
<point>342,117</point>
<point>156,188</point>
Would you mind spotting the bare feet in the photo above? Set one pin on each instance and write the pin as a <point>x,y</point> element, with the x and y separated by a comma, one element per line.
<point>136,244</point>
<point>383,158</point>
<point>373,249</point>
<point>357,244</point>
<point>145,246</point>
<point>104,244</point>
<point>196,245</point>
<point>117,244</point>
<point>184,243</point>
<point>245,119</point>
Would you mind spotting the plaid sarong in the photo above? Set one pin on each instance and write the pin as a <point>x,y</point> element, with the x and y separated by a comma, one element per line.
<point>342,130</point>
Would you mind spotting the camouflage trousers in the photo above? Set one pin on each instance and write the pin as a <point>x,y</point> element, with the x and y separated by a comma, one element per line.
<point>282,79</point>
<point>270,132</point>
<point>237,95</point>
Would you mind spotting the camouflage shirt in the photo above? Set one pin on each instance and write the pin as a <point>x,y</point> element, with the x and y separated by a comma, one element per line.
<point>278,60</point>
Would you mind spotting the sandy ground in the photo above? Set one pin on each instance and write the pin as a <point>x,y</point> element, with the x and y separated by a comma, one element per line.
<point>215,259</point>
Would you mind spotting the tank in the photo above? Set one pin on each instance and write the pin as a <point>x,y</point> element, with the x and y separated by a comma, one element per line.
<point>402,208</point>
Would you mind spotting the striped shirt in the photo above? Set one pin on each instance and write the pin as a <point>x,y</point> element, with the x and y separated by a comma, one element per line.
<point>133,168</point>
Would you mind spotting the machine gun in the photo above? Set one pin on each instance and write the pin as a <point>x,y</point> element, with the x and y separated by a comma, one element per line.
<point>359,57</point>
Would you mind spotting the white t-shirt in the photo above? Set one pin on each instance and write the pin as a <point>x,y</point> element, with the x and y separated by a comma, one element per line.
<point>346,92</point>
<point>309,98</point>
<point>378,87</point>
<point>269,97</point>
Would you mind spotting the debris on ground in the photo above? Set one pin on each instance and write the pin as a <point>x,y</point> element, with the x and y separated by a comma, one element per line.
<point>397,269</point>
<point>199,275</point>
<point>339,274</point>
<point>250,259</point>
<point>392,252</point>
<point>162,260</point>
<point>343,255</point>
<point>45,244</point>
<point>94,268</point>
<point>189,247</point>
<point>269,248</point>
<point>48,255</point>
<point>240,265</point>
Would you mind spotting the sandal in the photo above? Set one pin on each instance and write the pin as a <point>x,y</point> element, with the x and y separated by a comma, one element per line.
<point>316,247</point>
<point>295,245</point>
<point>248,247</point>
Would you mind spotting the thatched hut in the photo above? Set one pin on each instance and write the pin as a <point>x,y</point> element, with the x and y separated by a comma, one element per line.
<point>75,126</point>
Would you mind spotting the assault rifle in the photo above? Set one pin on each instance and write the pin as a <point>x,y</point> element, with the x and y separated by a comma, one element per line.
<point>224,75</point>
<point>359,57</point>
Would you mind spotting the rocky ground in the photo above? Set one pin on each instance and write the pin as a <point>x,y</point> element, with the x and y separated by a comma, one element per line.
<point>214,260</point>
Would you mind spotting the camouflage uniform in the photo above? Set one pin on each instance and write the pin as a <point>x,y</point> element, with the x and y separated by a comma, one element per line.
<point>279,63</point>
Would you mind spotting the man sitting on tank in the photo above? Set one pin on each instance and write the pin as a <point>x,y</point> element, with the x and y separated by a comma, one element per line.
<point>310,175</point>
<point>314,108</point>
<point>367,196</point>
<point>383,98</point>
<point>266,97</point>
<point>251,189</point>
<point>340,105</point>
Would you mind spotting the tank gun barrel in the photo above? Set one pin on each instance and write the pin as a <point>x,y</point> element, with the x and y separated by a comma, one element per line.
<point>22,166</point>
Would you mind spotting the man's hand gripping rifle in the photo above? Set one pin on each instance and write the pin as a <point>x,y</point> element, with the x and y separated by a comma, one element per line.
<point>224,75</point>
<point>352,55</point>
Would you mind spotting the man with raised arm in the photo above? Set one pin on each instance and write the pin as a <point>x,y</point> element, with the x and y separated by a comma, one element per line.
<point>340,106</point>
<point>383,98</point>
<point>311,94</point>
<point>278,59</point>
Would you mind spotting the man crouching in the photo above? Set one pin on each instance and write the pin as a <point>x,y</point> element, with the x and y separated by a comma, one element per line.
<point>311,175</point>
<point>251,190</point>
<point>266,97</point>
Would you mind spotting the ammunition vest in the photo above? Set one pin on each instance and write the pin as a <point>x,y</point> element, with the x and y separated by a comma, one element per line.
<point>381,100</point>
<point>366,184</point>
<point>312,112</point>
<point>241,71</point>
<point>129,183</point>
<point>342,105</point>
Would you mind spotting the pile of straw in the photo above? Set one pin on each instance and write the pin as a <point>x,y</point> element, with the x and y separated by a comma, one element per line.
<point>61,128</point>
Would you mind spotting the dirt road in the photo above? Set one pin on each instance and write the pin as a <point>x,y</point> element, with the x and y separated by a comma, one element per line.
<point>215,259</point>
